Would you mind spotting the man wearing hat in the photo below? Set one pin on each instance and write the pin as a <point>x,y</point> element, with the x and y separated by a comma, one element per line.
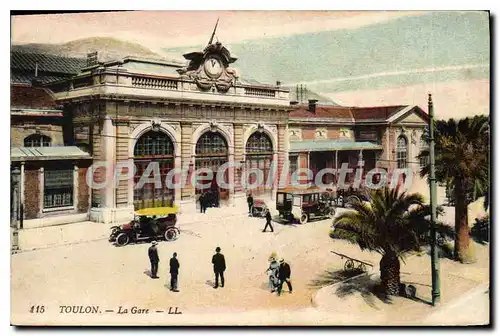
<point>219,267</point>
<point>174,272</point>
<point>154,259</point>
<point>284,273</point>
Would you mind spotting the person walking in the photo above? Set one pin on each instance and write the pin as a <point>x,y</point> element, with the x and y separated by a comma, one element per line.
<point>250,203</point>
<point>154,259</point>
<point>174,272</point>
<point>202,202</point>
<point>268,221</point>
<point>284,273</point>
<point>219,267</point>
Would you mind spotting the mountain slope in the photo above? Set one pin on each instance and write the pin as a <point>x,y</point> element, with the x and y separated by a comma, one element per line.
<point>107,47</point>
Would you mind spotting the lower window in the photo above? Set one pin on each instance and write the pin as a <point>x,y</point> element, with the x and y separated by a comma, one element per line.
<point>58,188</point>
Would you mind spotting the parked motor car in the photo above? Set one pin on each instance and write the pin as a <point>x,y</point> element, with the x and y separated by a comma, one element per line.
<point>148,224</point>
<point>303,204</point>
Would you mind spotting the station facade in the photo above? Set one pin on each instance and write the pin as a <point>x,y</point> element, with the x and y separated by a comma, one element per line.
<point>124,115</point>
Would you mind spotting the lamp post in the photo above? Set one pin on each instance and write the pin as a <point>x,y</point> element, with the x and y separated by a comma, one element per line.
<point>14,220</point>
<point>433,199</point>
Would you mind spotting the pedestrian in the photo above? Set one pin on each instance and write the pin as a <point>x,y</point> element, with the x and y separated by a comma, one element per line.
<point>203,201</point>
<point>250,203</point>
<point>154,259</point>
<point>284,273</point>
<point>219,267</point>
<point>272,272</point>
<point>268,221</point>
<point>174,272</point>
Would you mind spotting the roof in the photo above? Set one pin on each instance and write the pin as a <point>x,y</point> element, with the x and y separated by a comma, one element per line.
<point>375,113</point>
<point>26,61</point>
<point>27,79</point>
<point>33,98</point>
<point>331,145</point>
<point>322,112</point>
<point>47,153</point>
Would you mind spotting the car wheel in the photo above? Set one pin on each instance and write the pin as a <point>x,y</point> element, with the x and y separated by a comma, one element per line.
<point>304,218</point>
<point>122,239</point>
<point>331,212</point>
<point>170,235</point>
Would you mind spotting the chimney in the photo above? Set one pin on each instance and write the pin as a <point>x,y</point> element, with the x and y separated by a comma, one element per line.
<point>278,83</point>
<point>312,105</point>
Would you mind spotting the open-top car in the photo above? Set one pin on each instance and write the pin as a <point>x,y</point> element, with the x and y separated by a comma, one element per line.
<point>303,204</point>
<point>148,224</point>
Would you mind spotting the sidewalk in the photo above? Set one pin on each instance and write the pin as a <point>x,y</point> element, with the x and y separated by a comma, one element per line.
<point>52,236</point>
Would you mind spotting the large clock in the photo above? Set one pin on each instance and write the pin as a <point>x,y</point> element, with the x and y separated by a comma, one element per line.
<point>213,67</point>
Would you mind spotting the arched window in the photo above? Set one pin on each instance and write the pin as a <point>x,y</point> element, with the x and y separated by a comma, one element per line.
<point>210,144</point>
<point>37,140</point>
<point>259,143</point>
<point>154,144</point>
<point>423,145</point>
<point>402,152</point>
<point>153,148</point>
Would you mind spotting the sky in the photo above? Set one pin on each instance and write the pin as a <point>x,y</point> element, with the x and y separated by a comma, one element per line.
<point>354,58</point>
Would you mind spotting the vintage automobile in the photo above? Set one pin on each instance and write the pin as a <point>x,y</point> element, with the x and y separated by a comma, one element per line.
<point>345,197</point>
<point>148,224</point>
<point>259,208</point>
<point>303,204</point>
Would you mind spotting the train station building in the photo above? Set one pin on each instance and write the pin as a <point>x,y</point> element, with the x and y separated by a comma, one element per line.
<point>131,112</point>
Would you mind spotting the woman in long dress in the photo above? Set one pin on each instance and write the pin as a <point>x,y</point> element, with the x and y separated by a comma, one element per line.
<point>272,272</point>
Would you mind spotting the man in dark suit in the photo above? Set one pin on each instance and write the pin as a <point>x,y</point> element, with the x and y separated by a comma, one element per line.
<point>154,259</point>
<point>250,203</point>
<point>219,267</point>
<point>268,221</point>
<point>284,273</point>
<point>202,201</point>
<point>174,272</point>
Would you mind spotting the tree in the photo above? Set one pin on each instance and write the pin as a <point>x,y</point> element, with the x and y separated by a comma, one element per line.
<point>391,225</point>
<point>462,162</point>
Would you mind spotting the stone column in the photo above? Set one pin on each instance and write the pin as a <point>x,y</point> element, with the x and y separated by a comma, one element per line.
<point>109,151</point>
<point>239,149</point>
<point>186,160</point>
<point>282,172</point>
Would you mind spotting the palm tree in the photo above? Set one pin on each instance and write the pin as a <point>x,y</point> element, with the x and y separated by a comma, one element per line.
<point>462,161</point>
<point>389,226</point>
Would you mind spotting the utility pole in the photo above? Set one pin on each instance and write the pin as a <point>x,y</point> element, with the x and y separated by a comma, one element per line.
<point>432,185</point>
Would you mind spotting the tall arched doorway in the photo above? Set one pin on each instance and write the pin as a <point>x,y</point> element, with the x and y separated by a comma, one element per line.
<point>212,152</point>
<point>157,148</point>
<point>259,155</point>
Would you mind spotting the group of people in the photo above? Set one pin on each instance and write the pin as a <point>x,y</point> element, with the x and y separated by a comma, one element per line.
<point>218,261</point>
<point>209,199</point>
<point>278,272</point>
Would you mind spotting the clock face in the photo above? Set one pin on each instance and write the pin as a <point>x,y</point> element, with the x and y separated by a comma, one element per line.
<point>213,67</point>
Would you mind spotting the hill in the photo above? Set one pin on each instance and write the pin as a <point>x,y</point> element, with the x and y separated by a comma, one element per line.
<point>108,48</point>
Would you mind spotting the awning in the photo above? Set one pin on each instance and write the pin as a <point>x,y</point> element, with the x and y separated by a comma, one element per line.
<point>331,145</point>
<point>47,153</point>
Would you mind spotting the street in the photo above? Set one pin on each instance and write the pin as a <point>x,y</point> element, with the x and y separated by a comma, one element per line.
<point>98,276</point>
